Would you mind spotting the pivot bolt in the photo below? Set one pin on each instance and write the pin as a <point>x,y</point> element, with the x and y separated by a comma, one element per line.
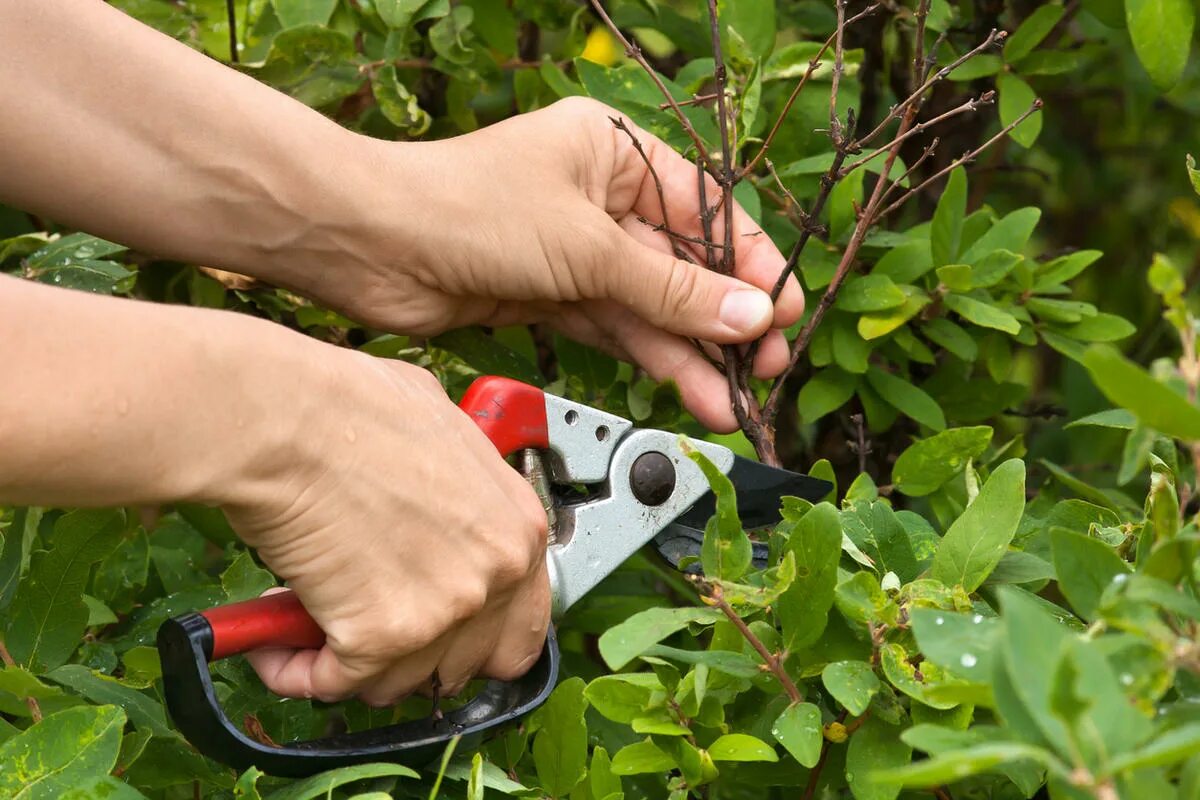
<point>652,478</point>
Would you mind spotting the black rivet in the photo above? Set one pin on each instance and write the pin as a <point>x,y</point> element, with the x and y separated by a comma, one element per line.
<point>652,478</point>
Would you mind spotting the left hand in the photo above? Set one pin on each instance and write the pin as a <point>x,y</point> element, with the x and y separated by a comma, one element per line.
<point>536,219</point>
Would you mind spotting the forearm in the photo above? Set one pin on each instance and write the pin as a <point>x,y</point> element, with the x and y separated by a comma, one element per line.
<point>121,131</point>
<point>114,402</point>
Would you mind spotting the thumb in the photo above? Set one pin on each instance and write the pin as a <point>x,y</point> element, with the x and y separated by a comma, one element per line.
<point>685,298</point>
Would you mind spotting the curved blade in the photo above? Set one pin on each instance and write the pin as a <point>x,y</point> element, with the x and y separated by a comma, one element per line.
<point>760,492</point>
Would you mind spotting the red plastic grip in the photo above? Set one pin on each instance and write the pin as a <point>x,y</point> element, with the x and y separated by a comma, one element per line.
<point>274,620</point>
<point>512,414</point>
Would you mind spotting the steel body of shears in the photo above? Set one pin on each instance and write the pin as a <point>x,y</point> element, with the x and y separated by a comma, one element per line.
<point>641,488</point>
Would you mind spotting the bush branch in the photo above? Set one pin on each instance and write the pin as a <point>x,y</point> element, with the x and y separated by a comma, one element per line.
<point>774,663</point>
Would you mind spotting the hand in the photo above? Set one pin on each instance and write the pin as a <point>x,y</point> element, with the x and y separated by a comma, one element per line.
<point>408,538</point>
<point>536,219</point>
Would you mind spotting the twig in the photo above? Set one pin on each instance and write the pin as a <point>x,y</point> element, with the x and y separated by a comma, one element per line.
<point>231,13</point>
<point>964,159</point>
<point>620,125</point>
<point>658,227</point>
<point>696,100</point>
<point>35,710</point>
<point>974,104</point>
<point>715,598</point>
<point>635,52</point>
<point>727,178</point>
<point>813,65</point>
<point>787,193</point>
<point>993,38</point>
<point>918,65</point>
<point>839,66</point>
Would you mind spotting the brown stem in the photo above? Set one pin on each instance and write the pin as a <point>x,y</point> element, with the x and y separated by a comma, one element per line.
<point>635,52</point>
<point>813,65</point>
<point>231,14</point>
<point>964,159</point>
<point>620,125</point>
<point>974,104</point>
<point>696,100</point>
<point>35,710</point>
<point>993,38</point>
<point>772,661</point>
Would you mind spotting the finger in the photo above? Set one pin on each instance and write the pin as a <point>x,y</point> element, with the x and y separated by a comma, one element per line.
<point>772,355</point>
<point>756,258</point>
<point>702,388</point>
<point>404,677</point>
<point>283,671</point>
<point>522,635</point>
<point>682,298</point>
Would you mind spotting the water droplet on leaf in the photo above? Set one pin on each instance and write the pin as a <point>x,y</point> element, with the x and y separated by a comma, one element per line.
<point>968,660</point>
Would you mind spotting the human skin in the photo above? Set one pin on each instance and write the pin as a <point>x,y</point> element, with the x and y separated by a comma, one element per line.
<point>344,471</point>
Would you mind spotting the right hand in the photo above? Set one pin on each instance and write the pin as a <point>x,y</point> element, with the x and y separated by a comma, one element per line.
<point>407,537</point>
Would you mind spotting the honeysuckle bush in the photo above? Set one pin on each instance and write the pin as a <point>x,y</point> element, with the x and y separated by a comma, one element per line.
<point>997,600</point>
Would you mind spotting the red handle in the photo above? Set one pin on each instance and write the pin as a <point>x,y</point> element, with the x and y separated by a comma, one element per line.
<point>512,415</point>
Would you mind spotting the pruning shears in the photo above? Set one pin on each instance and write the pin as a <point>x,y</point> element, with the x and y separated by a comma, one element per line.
<point>642,488</point>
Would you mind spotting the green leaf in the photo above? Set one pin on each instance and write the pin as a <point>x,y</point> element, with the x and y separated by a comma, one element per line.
<point>874,747</point>
<point>143,711</point>
<point>816,543</point>
<point>1100,328</point>
<point>398,104</point>
<point>945,232</point>
<point>852,683</point>
<point>869,293</point>
<point>560,745</point>
<point>754,22</point>
<point>825,392</point>
<point>798,729</point>
<point>303,12</point>
<point>48,617</point>
<point>1112,418</point>
<point>1008,233</point>
<point>956,277</point>
<point>601,779</point>
<point>874,325</point>
<point>1016,97</point>
<point>954,766</point>
<point>641,757</point>
<point>595,369</point>
<point>976,541</point>
<point>1152,402</point>
<point>60,752</point>
<point>993,268</point>
<point>105,787</point>
<point>981,66</point>
<point>1062,269</point>
<point>1167,748</point>
<point>928,464</point>
<point>313,64</point>
<point>907,398</point>
<point>246,787</point>
<point>906,262</point>
<point>324,783</point>
<point>951,336</point>
<point>1085,567</point>
<point>741,747</point>
<point>483,353</point>
<point>622,697</point>
<point>1193,173</point>
<point>244,580</point>
<point>1031,32</point>
<point>622,643</point>
<point>15,551</point>
<point>399,14</point>
<point>1161,31</point>
<point>726,552</point>
<point>960,643</point>
<point>982,313</point>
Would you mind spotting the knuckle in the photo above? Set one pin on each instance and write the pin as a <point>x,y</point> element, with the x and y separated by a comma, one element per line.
<point>512,665</point>
<point>468,601</point>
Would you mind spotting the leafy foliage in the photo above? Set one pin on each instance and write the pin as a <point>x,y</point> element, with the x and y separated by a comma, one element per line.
<point>994,602</point>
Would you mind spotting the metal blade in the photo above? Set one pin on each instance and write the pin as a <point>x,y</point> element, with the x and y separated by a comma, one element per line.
<point>760,493</point>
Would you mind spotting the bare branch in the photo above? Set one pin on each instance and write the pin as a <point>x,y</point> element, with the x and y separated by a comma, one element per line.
<point>620,125</point>
<point>635,52</point>
<point>918,65</point>
<point>964,159</point>
<point>813,65</point>
<point>839,66</point>
<point>993,38</point>
<point>986,98</point>
<point>700,98</point>
<point>773,662</point>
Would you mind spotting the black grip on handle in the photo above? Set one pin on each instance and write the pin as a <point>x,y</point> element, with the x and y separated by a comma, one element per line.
<point>184,643</point>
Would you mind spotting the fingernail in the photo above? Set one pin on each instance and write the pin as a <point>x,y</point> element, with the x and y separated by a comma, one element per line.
<point>746,310</point>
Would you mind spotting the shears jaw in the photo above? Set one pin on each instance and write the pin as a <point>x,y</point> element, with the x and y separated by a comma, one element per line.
<point>650,483</point>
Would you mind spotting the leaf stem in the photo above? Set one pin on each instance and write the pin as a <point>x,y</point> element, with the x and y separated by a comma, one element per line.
<point>714,597</point>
